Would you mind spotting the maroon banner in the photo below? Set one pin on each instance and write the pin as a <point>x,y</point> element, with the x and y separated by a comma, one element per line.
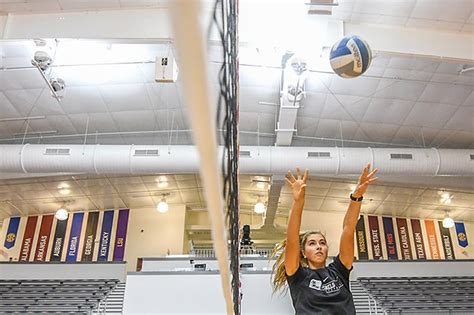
<point>418,238</point>
<point>402,227</point>
<point>375,237</point>
<point>43,237</point>
<point>28,236</point>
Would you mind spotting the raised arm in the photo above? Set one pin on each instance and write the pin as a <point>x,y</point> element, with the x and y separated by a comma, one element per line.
<point>292,249</point>
<point>346,246</point>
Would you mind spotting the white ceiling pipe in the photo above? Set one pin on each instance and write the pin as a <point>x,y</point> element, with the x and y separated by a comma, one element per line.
<point>140,159</point>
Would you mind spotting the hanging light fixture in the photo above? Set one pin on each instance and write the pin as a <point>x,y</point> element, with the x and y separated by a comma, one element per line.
<point>259,207</point>
<point>61,214</point>
<point>162,206</point>
<point>448,222</point>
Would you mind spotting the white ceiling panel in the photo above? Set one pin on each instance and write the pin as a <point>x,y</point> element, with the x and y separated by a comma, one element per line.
<point>8,110</point>
<point>396,89</point>
<point>439,114</point>
<point>88,4</point>
<point>85,99</point>
<point>395,8</point>
<point>390,111</point>
<point>462,119</point>
<point>135,120</point>
<point>382,132</point>
<point>443,93</point>
<point>22,79</point>
<point>125,97</point>
<point>22,99</point>
<point>306,126</point>
<point>252,96</point>
<point>334,108</point>
<point>469,100</point>
<point>312,105</point>
<point>362,86</point>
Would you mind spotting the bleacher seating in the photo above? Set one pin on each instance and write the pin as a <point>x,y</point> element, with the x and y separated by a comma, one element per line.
<point>76,296</point>
<point>421,294</point>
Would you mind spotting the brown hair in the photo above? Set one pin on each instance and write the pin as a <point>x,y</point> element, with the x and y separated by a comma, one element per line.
<point>278,270</point>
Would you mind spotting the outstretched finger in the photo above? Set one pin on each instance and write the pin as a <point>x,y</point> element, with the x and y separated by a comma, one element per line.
<point>305,176</point>
<point>288,181</point>
<point>291,177</point>
<point>298,172</point>
<point>372,173</point>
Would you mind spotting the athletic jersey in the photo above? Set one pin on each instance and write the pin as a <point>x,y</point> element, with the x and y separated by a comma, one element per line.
<point>322,291</point>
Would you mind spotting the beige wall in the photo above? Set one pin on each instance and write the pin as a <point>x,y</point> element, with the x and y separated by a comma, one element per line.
<point>161,232</point>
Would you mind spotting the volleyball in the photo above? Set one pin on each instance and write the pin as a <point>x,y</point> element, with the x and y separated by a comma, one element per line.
<point>350,57</point>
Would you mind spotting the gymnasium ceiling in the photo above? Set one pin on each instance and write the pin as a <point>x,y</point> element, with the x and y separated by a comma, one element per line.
<point>111,97</point>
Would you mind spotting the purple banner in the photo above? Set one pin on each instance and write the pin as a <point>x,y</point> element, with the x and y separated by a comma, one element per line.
<point>390,238</point>
<point>121,235</point>
<point>105,236</point>
<point>75,237</point>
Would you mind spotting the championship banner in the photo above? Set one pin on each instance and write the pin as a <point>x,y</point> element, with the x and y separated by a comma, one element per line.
<point>28,236</point>
<point>461,234</point>
<point>105,235</point>
<point>43,237</point>
<point>12,230</point>
<point>58,241</point>
<point>390,238</point>
<point>361,239</point>
<point>432,239</point>
<point>75,237</point>
<point>89,241</point>
<point>447,242</point>
<point>418,238</point>
<point>402,227</point>
<point>375,237</point>
<point>121,235</point>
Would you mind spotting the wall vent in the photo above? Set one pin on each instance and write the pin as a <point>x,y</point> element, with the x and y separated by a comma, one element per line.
<point>57,151</point>
<point>146,152</point>
<point>401,156</point>
<point>319,155</point>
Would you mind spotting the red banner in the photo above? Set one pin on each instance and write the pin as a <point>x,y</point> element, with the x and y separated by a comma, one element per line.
<point>375,237</point>
<point>402,227</point>
<point>28,236</point>
<point>432,239</point>
<point>43,238</point>
<point>418,238</point>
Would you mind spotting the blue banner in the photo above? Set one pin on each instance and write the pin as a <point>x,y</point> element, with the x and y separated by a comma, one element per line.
<point>105,235</point>
<point>461,234</point>
<point>11,232</point>
<point>74,238</point>
<point>390,238</point>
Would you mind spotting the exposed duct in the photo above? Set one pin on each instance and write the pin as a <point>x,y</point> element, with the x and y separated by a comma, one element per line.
<point>134,159</point>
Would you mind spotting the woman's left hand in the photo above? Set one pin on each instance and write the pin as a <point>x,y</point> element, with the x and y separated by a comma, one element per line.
<point>365,180</point>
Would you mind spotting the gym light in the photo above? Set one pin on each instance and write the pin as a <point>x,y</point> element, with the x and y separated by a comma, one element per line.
<point>448,222</point>
<point>162,206</point>
<point>61,214</point>
<point>259,207</point>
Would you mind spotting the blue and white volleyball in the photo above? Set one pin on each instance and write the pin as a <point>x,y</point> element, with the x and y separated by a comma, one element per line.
<point>350,57</point>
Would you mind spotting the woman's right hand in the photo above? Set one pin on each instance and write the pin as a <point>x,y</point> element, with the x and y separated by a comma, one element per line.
<point>298,184</point>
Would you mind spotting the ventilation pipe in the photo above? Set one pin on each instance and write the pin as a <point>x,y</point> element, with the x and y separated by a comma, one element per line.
<point>140,159</point>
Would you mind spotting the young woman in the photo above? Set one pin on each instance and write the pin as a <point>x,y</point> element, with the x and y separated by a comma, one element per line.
<point>314,287</point>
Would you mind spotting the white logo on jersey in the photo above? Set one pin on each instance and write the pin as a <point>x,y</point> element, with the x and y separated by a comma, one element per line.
<point>315,284</point>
